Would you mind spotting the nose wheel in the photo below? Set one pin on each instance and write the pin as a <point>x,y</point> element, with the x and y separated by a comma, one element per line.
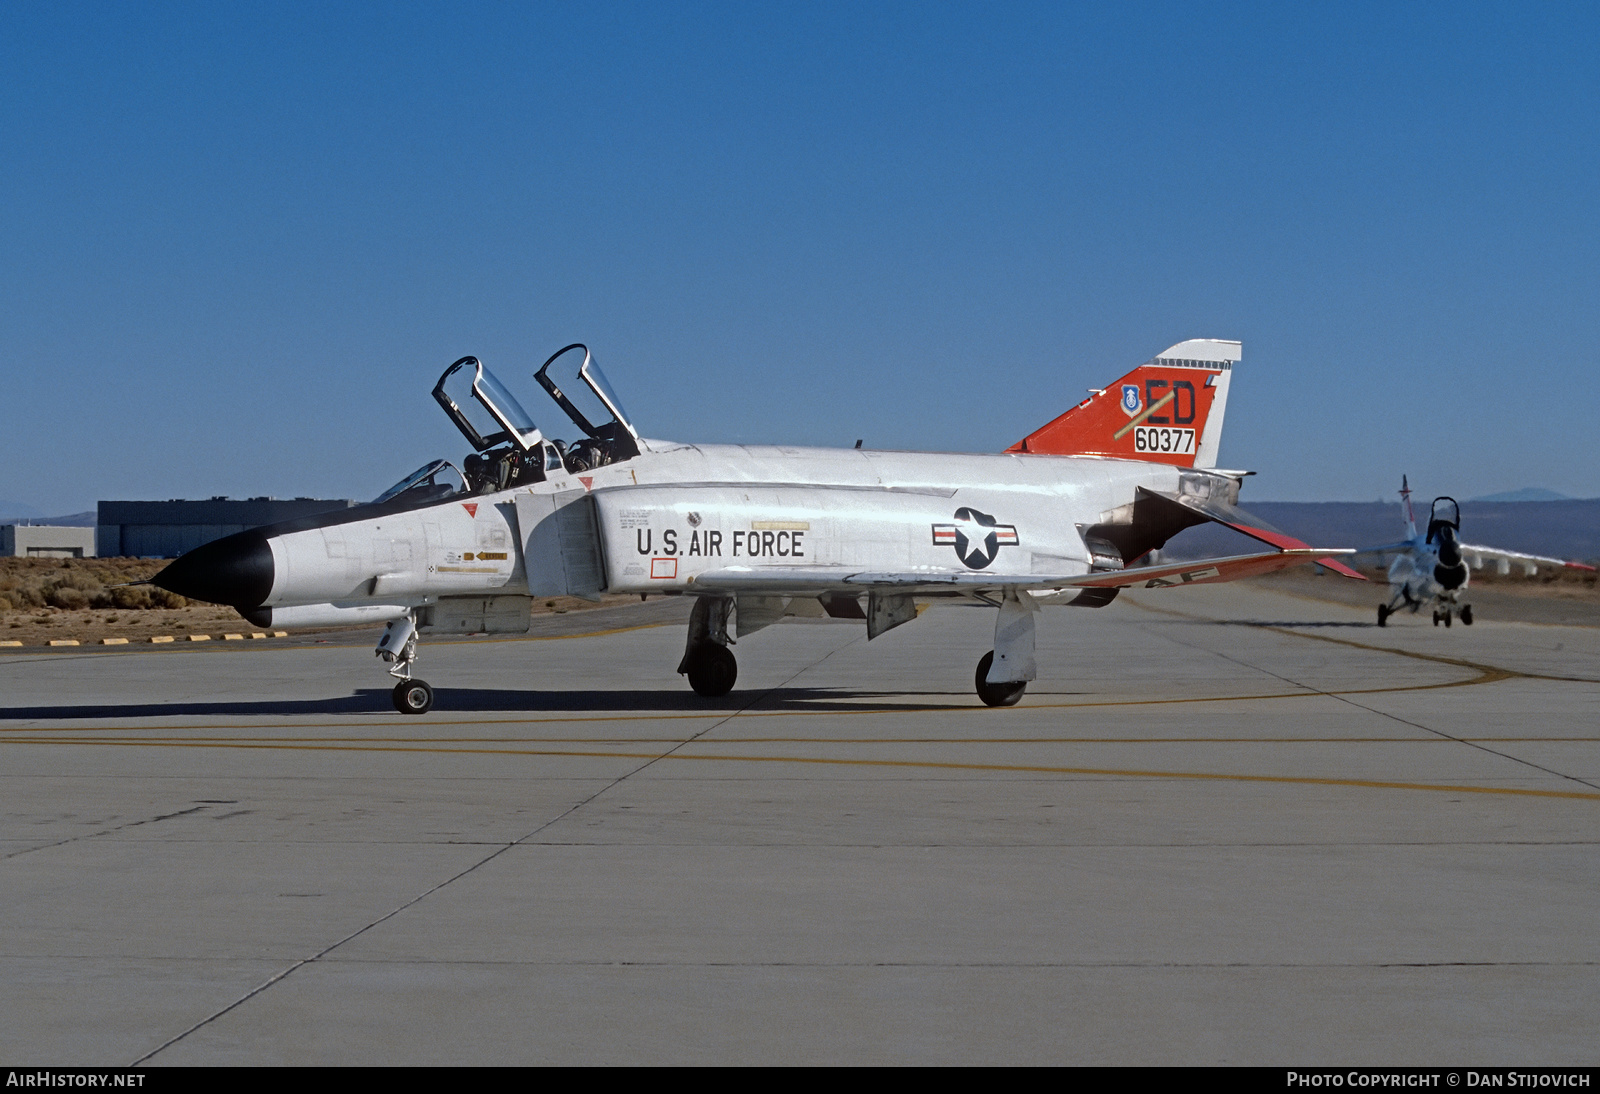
<point>413,697</point>
<point>996,695</point>
<point>1383,615</point>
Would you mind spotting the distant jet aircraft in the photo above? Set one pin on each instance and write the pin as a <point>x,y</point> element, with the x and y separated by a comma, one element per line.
<point>1431,568</point>
<point>754,533</point>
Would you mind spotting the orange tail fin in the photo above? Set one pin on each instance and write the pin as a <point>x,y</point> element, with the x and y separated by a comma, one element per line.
<point>1168,410</point>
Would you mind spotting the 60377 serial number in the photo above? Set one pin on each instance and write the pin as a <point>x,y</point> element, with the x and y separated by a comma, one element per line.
<point>1163,439</point>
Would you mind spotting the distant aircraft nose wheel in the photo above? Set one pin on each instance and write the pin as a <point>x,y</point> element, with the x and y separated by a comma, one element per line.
<point>712,670</point>
<point>413,697</point>
<point>1466,616</point>
<point>1383,615</point>
<point>996,695</point>
<point>1435,619</point>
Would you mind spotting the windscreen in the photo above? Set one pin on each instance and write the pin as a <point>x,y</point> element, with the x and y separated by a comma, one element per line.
<point>427,484</point>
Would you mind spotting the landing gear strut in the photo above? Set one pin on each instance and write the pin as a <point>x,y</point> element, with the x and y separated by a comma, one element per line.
<point>398,646</point>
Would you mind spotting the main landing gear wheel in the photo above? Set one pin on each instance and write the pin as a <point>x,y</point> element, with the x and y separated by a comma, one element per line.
<point>1383,615</point>
<point>996,695</point>
<point>712,670</point>
<point>1466,616</point>
<point>1435,619</point>
<point>413,697</point>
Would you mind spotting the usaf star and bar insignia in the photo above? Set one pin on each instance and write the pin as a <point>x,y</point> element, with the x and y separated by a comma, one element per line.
<point>976,537</point>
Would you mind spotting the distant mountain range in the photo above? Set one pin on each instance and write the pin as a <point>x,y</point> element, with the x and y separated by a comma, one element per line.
<point>12,512</point>
<point>1527,493</point>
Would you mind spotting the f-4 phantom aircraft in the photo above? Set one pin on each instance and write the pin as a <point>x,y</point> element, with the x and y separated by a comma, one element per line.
<point>1066,516</point>
<point>1431,568</point>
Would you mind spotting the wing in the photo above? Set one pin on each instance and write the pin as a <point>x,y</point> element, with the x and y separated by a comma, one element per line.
<point>816,580</point>
<point>1477,555</point>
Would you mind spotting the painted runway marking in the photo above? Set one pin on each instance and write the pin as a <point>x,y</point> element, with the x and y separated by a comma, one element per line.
<point>935,765</point>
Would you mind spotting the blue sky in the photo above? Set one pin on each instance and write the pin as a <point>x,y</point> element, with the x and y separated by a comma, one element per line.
<point>240,243</point>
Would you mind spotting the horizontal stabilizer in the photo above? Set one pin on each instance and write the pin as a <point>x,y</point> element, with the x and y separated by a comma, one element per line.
<point>1222,512</point>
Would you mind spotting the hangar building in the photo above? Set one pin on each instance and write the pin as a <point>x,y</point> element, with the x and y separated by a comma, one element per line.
<point>46,541</point>
<point>166,529</point>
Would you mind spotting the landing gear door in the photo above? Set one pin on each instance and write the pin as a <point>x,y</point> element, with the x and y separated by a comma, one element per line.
<point>560,546</point>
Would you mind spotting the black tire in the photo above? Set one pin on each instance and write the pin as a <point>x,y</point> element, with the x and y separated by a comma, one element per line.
<point>713,670</point>
<point>1435,619</point>
<point>413,697</point>
<point>1447,619</point>
<point>1383,615</point>
<point>995,695</point>
<point>1466,616</point>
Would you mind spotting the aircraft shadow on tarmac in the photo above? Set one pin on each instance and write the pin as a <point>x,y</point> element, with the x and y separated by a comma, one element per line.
<point>1322,623</point>
<point>451,701</point>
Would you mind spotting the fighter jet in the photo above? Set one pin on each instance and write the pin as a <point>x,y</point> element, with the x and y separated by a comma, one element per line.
<point>1431,568</point>
<point>1066,516</point>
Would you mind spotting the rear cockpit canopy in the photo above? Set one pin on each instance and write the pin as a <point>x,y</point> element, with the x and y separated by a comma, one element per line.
<point>580,389</point>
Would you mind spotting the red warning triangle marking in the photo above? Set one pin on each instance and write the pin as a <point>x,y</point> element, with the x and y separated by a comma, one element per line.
<point>471,507</point>
<point>587,480</point>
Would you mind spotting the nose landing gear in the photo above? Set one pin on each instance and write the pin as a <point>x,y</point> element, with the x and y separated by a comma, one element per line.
<point>398,646</point>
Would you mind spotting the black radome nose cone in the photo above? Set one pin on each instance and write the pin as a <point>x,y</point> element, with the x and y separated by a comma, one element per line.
<point>235,570</point>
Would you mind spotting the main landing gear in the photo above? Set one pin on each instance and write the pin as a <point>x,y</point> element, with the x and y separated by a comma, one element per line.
<point>1000,680</point>
<point>1003,673</point>
<point>398,646</point>
<point>707,661</point>
<point>1384,612</point>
